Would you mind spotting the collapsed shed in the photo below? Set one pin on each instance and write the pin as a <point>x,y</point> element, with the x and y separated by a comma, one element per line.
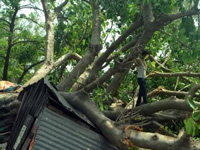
<point>46,121</point>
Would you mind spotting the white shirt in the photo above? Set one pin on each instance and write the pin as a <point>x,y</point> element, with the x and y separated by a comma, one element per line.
<point>141,71</point>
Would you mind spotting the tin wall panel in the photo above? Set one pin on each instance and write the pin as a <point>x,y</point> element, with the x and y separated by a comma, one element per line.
<point>57,132</point>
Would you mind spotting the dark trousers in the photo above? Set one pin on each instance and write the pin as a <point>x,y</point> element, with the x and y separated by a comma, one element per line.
<point>142,91</point>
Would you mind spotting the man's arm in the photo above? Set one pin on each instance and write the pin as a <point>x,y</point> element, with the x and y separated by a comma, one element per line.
<point>138,62</point>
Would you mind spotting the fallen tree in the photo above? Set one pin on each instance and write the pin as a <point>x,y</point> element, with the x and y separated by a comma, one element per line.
<point>126,133</point>
<point>125,127</point>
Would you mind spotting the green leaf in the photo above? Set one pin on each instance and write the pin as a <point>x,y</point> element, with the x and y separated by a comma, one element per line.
<point>189,126</point>
<point>153,64</point>
<point>196,129</point>
<point>198,126</point>
<point>196,115</point>
<point>83,42</point>
<point>101,107</point>
<point>106,107</point>
<point>192,104</point>
<point>192,127</point>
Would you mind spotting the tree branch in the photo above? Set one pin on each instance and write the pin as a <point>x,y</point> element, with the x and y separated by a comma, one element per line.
<point>194,89</point>
<point>45,9</point>
<point>103,78</point>
<point>165,69</point>
<point>159,64</point>
<point>147,15</point>
<point>123,49</point>
<point>167,58</point>
<point>169,115</point>
<point>151,140</point>
<point>1,56</point>
<point>177,74</point>
<point>27,69</point>
<point>59,8</point>
<point>30,19</point>
<point>169,103</point>
<point>166,19</point>
<point>181,42</point>
<point>84,104</point>
<point>161,91</point>
<point>100,61</point>
<point>5,29</point>
<point>118,67</point>
<point>49,48</point>
<point>66,57</point>
<point>142,139</point>
<point>89,56</point>
<point>7,22</point>
<point>31,7</point>
<point>20,42</point>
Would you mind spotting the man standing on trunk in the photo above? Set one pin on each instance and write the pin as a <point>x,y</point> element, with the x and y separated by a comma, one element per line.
<point>141,77</point>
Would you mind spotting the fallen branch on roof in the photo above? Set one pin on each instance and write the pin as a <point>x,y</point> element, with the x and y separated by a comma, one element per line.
<point>119,137</point>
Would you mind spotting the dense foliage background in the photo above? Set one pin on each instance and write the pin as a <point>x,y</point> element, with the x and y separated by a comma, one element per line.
<point>175,48</point>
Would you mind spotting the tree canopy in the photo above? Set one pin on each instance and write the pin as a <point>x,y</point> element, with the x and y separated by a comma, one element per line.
<point>87,49</point>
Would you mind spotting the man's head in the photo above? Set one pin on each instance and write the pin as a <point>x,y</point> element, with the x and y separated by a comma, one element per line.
<point>145,54</point>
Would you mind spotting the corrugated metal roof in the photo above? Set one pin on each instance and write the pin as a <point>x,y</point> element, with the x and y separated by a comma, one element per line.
<point>33,100</point>
<point>57,132</point>
<point>66,104</point>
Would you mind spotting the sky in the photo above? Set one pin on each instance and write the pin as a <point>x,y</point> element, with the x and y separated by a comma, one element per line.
<point>28,11</point>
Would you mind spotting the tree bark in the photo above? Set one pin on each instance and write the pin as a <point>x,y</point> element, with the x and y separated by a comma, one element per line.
<point>113,87</point>
<point>89,57</point>
<point>157,142</point>
<point>106,126</point>
<point>118,137</point>
<point>100,61</point>
<point>194,89</point>
<point>49,50</point>
<point>147,14</point>
<point>161,91</point>
<point>176,74</point>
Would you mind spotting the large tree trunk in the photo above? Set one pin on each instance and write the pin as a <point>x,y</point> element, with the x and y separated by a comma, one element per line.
<point>118,137</point>
<point>93,51</point>
<point>121,135</point>
<point>113,87</point>
<point>49,49</point>
<point>106,126</point>
<point>100,61</point>
<point>49,60</point>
